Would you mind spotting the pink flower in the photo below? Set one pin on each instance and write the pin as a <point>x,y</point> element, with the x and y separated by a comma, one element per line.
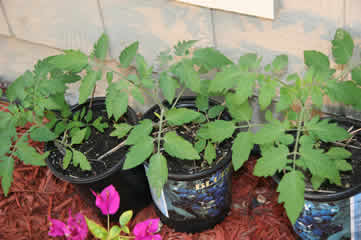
<point>108,200</point>
<point>145,230</point>
<point>57,228</point>
<point>75,229</point>
<point>77,226</point>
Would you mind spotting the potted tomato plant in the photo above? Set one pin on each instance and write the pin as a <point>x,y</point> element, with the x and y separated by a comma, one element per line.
<point>81,148</point>
<point>314,156</point>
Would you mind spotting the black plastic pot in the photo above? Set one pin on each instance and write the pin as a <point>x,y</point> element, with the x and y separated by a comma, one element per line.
<point>131,184</point>
<point>334,214</point>
<point>198,201</point>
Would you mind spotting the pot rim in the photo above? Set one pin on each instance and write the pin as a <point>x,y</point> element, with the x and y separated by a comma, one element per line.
<point>131,116</point>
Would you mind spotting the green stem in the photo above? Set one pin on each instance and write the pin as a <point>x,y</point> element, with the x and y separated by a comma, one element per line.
<point>178,97</point>
<point>160,129</point>
<point>299,128</point>
<point>108,223</point>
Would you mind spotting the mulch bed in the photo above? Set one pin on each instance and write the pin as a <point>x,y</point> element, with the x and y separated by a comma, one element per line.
<point>36,194</point>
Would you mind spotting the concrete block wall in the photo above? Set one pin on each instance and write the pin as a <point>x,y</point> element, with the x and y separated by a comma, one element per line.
<point>30,30</point>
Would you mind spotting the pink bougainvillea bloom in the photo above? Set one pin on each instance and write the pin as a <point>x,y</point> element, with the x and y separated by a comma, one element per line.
<point>57,228</point>
<point>108,200</point>
<point>75,229</point>
<point>146,230</point>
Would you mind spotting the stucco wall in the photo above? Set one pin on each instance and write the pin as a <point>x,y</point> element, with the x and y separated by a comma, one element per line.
<point>33,29</point>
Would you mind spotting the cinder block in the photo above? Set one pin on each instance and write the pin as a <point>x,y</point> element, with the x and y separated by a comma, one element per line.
<point>157,24</point>
<point>63,24</point>
<point>16,57</point>
<point>299,26</point>
<point>3,25</point>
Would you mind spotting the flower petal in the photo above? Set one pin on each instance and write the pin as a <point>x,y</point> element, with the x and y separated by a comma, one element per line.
<point>57,228</point>
<point>111,200</point>
<point>140,229</point>
<point>153,226</point>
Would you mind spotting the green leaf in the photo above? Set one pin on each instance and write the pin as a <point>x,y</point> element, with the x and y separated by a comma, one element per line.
<point>272,160</point>
<point>241,149</point>
<point>210,58</point>
<point>137,94</point>
<point>356,74</point>
<point>317,60</point>
<point>180,116</point>
<point>328,132</point>
<point>280,63</point>
<point>127,55</point>
<point>29,155</point>
<point>16,90</point>
<point>109,77</point>
<point>125,218</point>
<point>114,232</point>
<point>215,111</point>
<point>89,116</point>
<point>316,182</point>
<point>342,46</point>
<point>78,136</point>
<point>210,153</point>
<point>168,85</point>
<point>226,79</point>
<point>177,147</point>
<point>239,111</point>
<point>86,86</point>
<point>319,164</point>
<point>121,130</point>
<point>101,47</point>
<point>139,152</point>
<point>285,100</point>
<point>182,47</point>
<point>266,93</point>
<point>202,102</point>
<point>269,133</point>
<point>249,60</point>
<point>116,103</point>
<point>143,129</point>
<point>218,130</point>
<point>97,230</point>
<point>6,172</point>
<point>343,165</point>
<point>99,125</point>
<point>291,189</point>
<point>188,76</point>
<point>42,134</point>
<point>286,139</point>
<point>66,160</point>
<point>317,97</point>
<point>144,72</point>
<point>157,172</point>
<point>80,159</point>
<point>200,145</point>
<point>73,61</point>
<point>338,153</point>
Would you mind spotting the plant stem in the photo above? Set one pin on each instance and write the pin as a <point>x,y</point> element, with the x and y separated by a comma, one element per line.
<point>108,222</point>
<point>178,97</point>
<point>160,129</point>
<point>111,150</point>
<point>299,128</point>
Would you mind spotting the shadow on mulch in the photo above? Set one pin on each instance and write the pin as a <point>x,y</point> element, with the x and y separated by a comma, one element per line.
<point>36,194</point>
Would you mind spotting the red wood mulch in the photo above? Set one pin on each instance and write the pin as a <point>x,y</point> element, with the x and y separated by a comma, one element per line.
<point>36,194</point>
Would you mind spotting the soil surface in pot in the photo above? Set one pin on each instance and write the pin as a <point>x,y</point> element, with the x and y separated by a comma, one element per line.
<point>97,144</point>
<point>353,145</point>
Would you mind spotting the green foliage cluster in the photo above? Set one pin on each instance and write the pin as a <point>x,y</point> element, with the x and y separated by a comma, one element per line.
<point>41,95</point>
